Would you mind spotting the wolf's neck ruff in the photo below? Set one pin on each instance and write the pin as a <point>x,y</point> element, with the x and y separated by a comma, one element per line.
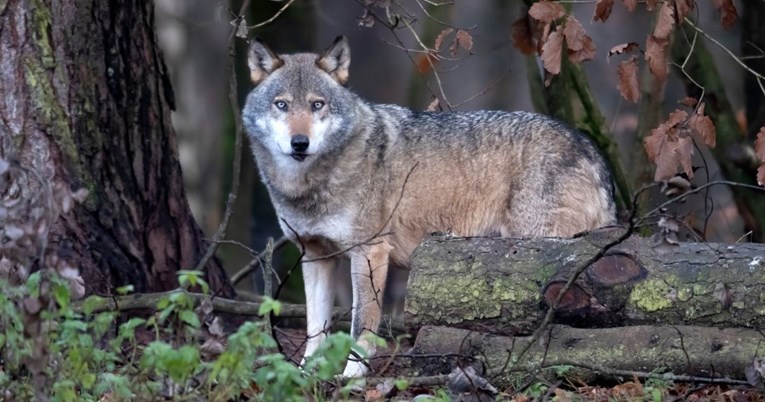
<point>339,172</point>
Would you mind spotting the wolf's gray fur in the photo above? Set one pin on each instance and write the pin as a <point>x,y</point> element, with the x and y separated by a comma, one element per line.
<point>346,174</point>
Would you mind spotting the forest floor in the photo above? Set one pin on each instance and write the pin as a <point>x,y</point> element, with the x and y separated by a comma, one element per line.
<point>291,341</point>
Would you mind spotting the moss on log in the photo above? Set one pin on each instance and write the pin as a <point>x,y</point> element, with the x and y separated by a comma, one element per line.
<point>503,285</point>
<point>680,350</point>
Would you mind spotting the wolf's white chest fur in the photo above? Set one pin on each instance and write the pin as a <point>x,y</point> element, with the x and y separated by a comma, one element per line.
<point>334,226</point>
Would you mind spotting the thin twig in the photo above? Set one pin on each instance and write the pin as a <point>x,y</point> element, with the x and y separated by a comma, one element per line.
<point>233,97</point>
<point>256,260</point>
<point>379,232</point>
<point>647,375</point>
<point>483,91</point>
<point>267,279</point>
<point>430,62</point>
<point>273,17</point>
<point>444,23</point>
<point>696,190</point>
<point>760,77</point>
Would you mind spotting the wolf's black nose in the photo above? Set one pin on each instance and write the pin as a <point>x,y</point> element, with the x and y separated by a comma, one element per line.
<point>299,143</point>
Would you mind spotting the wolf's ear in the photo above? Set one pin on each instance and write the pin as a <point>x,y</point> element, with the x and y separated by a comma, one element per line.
<point>336,59</point>
<point>262,61</point>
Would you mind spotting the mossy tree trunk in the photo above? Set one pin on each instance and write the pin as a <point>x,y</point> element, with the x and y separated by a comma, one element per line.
<point>86,103</point>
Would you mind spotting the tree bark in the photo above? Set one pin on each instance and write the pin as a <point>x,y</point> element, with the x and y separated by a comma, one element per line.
<point>504,285</point>
<point>87,104</point>
<point>679,350</point>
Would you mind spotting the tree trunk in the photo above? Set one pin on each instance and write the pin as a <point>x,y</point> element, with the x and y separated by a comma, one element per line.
<point>87,103</point>
<point>504,285</point>
<point>679,350</point>
<point>752,45</point>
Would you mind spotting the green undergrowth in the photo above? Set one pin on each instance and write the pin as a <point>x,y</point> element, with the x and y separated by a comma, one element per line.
<point>61,353</point>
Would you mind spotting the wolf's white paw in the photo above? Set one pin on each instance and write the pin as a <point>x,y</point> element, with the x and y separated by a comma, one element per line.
<point>355,369</point>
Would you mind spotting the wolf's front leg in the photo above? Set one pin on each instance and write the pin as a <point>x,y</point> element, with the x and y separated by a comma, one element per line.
<point>369,269</point>
<point>318,280</point>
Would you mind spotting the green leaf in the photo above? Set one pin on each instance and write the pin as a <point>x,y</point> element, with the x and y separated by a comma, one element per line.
<point>401,384</point>
<point>656,394</point>
<point>74,325</point>
<point>117,383</point>
<point>189,317</point>
<point>183,362</point>
<point>90,303</point>
<point>33,284</point>
<point>61,295</point>
<point>562,369</point>
<point>165,313</point>
<point>88,380</point>
<point>123,290</point>
<point>269,305</point>
<point>103,322</point>
<point>374,339</point>
<point>163,303</point>
<point>330,357</point>
<point>63,390</point>
<point>127,329</point>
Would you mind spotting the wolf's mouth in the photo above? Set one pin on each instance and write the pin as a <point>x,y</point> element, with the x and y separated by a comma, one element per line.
<point>299,156</point>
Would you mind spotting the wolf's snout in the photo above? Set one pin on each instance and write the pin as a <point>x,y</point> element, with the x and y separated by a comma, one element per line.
<point>299,143</point>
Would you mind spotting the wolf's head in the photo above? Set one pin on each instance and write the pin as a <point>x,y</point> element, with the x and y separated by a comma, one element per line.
<point>299,107</point>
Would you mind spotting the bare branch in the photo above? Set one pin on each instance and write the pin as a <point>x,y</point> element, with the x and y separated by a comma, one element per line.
<point>696,190</point>
<point>760,77</point>
<point>273,17</point>
<point>233,97</point>
<point>256,262</point>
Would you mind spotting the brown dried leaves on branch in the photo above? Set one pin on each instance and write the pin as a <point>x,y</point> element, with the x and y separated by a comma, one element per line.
<point>703,126</point>
<point>462,39</point>
<point>523,35</point>
<point>570,31</point>
<point>670,146</point>
<point>552,51</point>
<point>441,37</point>
<point>623,48</point>
<point>728,13</point>
<point>683,8</point>
<point>580,46</point>
<point>629,83</point>
<point>759,150</point>
<point>546,12</point>
<point>665,23</point>
<point>630,5</point>
<point>603,10</point>
<point>656,56</point>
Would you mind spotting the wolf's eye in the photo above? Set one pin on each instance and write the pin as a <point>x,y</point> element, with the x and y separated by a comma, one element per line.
<point>281,105</point>
<point>317,105</point>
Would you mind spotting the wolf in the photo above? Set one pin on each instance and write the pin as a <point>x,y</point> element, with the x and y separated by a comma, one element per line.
<point>354,179</point>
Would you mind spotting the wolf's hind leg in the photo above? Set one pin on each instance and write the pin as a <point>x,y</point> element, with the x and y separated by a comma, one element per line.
<point>319,282</point>
<point>369,269</point>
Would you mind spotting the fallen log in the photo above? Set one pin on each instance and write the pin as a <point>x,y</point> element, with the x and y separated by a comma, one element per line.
<point>239,308</point>
<point>671,352</point>
<point>503,286</point>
